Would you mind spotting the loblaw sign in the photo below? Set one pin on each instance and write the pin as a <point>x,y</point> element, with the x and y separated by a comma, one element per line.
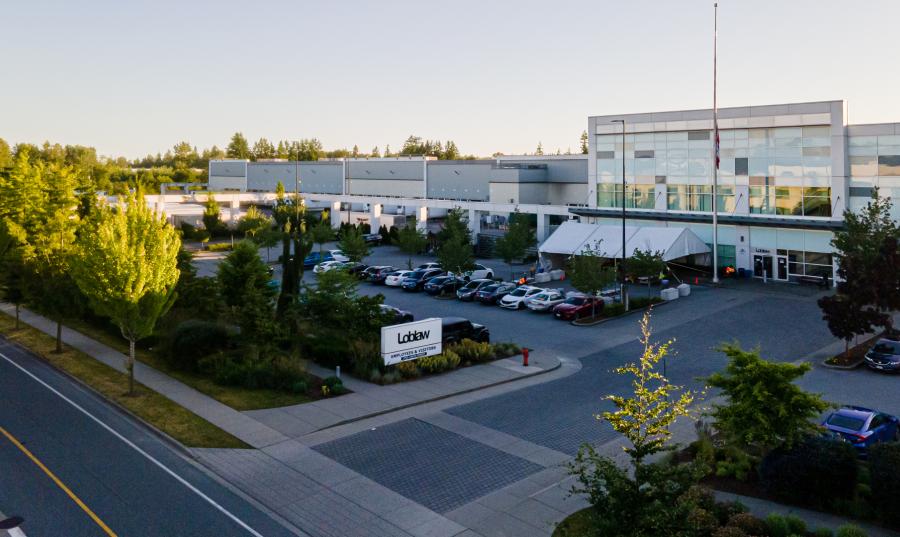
<point>408,341</point>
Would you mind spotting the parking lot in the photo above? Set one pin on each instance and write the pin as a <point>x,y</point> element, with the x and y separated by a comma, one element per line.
<point>539,331</point>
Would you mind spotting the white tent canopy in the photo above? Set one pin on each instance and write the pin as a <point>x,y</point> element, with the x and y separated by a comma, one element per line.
<point>572,238</point>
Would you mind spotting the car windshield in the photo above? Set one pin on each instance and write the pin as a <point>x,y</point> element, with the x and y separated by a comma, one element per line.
<point>519,292</point>
<point>575,300</point>
<point>416,275</point>
<point>472,285</point>
<point>846,422</point>
<point>542,296</point>
<point>887,347</point>
<point>491,288</point>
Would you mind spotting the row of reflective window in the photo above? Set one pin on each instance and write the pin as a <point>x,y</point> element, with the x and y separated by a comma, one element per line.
<point>764,198</point>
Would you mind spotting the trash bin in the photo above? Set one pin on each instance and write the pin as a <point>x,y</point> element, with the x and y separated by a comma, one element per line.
<point>742,273</point>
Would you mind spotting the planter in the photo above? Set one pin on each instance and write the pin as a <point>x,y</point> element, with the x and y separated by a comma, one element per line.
<point>594,321</point>
<point>853,358</point>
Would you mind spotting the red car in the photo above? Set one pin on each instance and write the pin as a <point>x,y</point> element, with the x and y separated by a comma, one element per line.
<point>577,306</point>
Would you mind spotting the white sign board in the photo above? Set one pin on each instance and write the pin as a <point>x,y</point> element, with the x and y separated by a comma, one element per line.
<point>408,341</point>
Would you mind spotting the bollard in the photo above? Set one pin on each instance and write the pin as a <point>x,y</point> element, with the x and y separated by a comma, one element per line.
<point>337,371</point>
<point>696,280</point>
<point>525,357</point>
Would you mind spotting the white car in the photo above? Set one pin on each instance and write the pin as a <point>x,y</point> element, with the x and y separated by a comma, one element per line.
<point>338,255</point>
<point>545,300</point>
<point>427,266</point>
<point>516,299</point>
<point>394,278</point>
<point>325,266</point>
<point>480,272</point>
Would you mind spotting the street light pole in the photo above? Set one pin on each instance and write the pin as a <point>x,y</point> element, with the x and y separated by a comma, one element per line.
<point>624,274</point>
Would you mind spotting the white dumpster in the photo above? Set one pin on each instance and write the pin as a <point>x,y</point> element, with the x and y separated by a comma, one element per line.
<point>684,289</point>
<point>669,294</point>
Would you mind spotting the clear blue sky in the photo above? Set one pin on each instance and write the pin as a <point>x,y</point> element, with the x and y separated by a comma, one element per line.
<point>136,77</point>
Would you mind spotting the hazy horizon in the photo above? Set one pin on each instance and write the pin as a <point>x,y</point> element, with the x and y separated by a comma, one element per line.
<point>502,76</point>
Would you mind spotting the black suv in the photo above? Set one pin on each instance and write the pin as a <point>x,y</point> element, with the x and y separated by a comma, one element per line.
<point>456,329</point>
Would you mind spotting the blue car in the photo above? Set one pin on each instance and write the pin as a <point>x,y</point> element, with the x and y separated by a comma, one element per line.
<point>417,279</point>
<point>315,258</point>
<point>862,427</point>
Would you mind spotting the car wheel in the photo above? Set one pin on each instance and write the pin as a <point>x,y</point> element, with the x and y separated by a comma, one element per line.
<point>490,275</point>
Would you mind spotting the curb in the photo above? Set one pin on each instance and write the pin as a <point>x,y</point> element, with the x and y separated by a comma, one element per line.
<point>175,444</point>
<point>626,314</point>
<point>438,398</point>
<point>841,367</point>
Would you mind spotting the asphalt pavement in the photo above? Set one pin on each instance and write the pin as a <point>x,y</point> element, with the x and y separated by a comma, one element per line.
<point>72,465</point>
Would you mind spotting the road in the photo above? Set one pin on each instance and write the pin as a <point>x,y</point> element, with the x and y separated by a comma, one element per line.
<point>71,464</point>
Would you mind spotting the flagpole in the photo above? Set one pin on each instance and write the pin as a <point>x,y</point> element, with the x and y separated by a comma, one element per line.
<point>715,185</point>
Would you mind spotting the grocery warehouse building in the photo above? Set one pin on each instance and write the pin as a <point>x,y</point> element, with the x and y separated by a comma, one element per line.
<point>787,173</point>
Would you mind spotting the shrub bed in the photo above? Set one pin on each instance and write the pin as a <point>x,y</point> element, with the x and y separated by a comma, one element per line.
<point>462,354</point>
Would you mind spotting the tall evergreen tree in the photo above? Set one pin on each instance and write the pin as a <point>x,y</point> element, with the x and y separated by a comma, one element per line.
<point>584,143</point>
<point>518,238</point>
<point>238,147</point>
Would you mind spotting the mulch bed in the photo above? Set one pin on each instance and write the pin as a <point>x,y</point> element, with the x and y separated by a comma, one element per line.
<point>854,357</point>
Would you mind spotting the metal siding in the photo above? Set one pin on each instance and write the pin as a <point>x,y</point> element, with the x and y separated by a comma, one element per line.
<point>459,181</point>
<point>391,170</point>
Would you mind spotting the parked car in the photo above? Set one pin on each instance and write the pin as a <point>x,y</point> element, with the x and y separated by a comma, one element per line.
<point>430,265</point>
<point>862,427</point>
<point>443,285</point>
<point>456,329</point>
<point>884,355</point>
<point>372,238</point>
<point>328,265</point>
<point>379,274</point>
<point>357,269</point>
<point>491,294</point>
<point>480,272</point>
<point>394,279</point>
<point>467,291</point>
<point>315,258</point>
<point>338,255</point>
<point>400,316</point>
<point>515,300</point>
<point>545,300</point>
<point>416,280</point>
<point>577,306</point>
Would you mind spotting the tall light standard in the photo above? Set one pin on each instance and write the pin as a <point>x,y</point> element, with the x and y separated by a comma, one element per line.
<point>624,274</point>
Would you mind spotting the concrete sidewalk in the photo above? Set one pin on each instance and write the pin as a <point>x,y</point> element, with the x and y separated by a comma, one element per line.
<point>260,428</point>
<point>369,400</point>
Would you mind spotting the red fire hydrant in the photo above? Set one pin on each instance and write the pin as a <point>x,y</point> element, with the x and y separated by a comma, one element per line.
<point>525,357</point>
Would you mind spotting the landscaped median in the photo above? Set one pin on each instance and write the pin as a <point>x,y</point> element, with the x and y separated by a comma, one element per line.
<point>158,411</point>
<point>613,311</point>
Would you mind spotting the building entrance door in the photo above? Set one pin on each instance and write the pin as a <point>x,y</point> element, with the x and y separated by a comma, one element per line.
<point>762,266</point>
<point>781,266</point>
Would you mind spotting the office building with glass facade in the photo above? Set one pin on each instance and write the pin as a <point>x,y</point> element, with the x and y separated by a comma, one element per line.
<point>786,175</point>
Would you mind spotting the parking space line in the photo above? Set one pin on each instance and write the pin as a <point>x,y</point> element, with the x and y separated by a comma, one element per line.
<point>58,482</point>
<point>132,445</point>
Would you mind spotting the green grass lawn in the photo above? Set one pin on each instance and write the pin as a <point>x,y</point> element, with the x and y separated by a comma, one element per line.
<point>160,412</point>
<point>236,397</point>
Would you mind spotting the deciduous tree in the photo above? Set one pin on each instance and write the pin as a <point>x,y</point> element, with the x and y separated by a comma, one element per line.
<point>126,264</point>
<point>518,238</point>
<point>320,234</point>
<point>411,241</point>
<point>589,273</point>
<point>352,244</point>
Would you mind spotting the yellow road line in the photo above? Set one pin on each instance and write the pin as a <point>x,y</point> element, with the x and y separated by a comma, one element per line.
<point>59,483</point>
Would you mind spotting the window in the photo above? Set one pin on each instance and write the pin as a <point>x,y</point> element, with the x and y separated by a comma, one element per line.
<point>888,164</point>
<point>863,166</point>
<point>646,153</point>
<point>698,135</point>
<point>606,155</point>
<point>636,196</point>
<point>809,263</point>
<point>725,195</point>
<point>788,200</point>
<point>740,166</point>
<point>816,201</point>
<point>689,198</point>
<point>762,195</point>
